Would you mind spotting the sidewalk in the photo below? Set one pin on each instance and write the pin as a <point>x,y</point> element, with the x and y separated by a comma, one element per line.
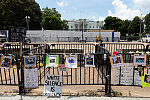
<point>19,97</point>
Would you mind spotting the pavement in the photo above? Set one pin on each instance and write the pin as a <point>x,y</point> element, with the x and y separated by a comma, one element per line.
<point>19,97</point>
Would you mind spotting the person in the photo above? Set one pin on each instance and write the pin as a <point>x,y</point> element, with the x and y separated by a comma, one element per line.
<point>117,61</point>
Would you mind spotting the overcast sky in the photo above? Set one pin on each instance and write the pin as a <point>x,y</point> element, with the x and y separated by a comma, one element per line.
<point>98,9</point>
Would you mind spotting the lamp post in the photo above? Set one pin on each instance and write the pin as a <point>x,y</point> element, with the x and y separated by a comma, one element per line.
<point>27,20</point>
<point>99,24</point>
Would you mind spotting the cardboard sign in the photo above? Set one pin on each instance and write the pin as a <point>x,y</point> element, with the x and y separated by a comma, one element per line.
<point>116,61</point>
<point>52,60</point>
<point>6,61</point>
<point>89,61</point>
<point>29,61</point>
<point>71,61</point>
<point>30,78</point>
<point>53,85</point>
<point>145,82</point>
<point>139,60</point>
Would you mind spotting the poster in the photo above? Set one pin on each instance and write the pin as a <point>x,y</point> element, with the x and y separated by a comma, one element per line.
<point>31,78</point>
<point>126,75</point>
<point>116,61</point>
<point>29,61</point>
<point>53,85</point>
<point>71,61</point>
<point>145,82</point>
<point>52,60</point>
<point>139,60</point>
<point>6,61</point>
<point>89,61</point>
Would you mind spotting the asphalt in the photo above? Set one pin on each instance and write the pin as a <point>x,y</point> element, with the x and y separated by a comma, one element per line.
<point>19,97</point>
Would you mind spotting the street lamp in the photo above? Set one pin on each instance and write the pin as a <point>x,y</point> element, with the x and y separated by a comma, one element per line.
<point>27,20</point>
<point>99,24</point>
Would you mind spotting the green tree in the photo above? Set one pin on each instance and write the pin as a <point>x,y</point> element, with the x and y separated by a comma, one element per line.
<point>147,23</point>
<point>112,23</point>
<point>124,28</point>
<point>13,13</point>
<point>51,20</point>
<point>134,27</point>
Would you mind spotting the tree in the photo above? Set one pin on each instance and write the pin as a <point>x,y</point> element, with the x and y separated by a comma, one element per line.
<point>112,23</point>
<point>51,20</point>
<point>147,23</point>
<point>124,28</point>
<point>13,13</point>
<point>134,27</point>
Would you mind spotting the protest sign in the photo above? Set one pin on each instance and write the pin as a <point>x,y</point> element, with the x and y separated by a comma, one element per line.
<point>71,61</point>
<point>30,78</point>
<point>52,60</point>
<point>126,76</point>
<point>53,85</point>
<point>89,61</point>
<point>62,67</point>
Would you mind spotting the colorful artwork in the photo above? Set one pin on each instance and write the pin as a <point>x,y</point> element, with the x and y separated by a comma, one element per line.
<point>89,61</point>
<point>116,61</point>
<point>6,61</point>
<point>71,61</point>
<point>139,60</point>
<point>52,60</point>
<point>29,61</point>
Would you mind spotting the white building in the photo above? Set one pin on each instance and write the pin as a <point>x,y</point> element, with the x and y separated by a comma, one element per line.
<point>84,24</point>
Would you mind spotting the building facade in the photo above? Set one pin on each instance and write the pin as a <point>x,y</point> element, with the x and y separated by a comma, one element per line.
<point>85,24</point>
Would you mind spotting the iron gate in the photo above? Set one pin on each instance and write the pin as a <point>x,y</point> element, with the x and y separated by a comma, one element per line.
<point>98,75</point>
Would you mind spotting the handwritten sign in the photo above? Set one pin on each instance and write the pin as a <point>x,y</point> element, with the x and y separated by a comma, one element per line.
<point>53,85</point>
<point>126,75</point>
<point>31,78</point>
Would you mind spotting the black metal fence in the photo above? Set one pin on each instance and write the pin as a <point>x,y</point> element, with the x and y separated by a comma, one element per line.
<point>101,74</point>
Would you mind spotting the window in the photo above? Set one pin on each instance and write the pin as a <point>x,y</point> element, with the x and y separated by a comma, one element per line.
<point>71,26</point>
<point>89,26</point>
<point>93,26</point>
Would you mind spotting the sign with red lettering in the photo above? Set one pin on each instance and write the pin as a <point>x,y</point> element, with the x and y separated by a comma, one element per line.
<point>53,85</point>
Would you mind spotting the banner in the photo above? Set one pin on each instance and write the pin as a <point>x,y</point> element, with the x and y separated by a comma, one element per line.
<point>52,60</point>
<point>53,85</point>
<point>89,61</point>
<point>6,61</point>
<point>71,61</point>
<point>31,78</point>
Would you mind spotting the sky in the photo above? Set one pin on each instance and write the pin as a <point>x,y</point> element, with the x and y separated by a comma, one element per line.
<point>98,10</point>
